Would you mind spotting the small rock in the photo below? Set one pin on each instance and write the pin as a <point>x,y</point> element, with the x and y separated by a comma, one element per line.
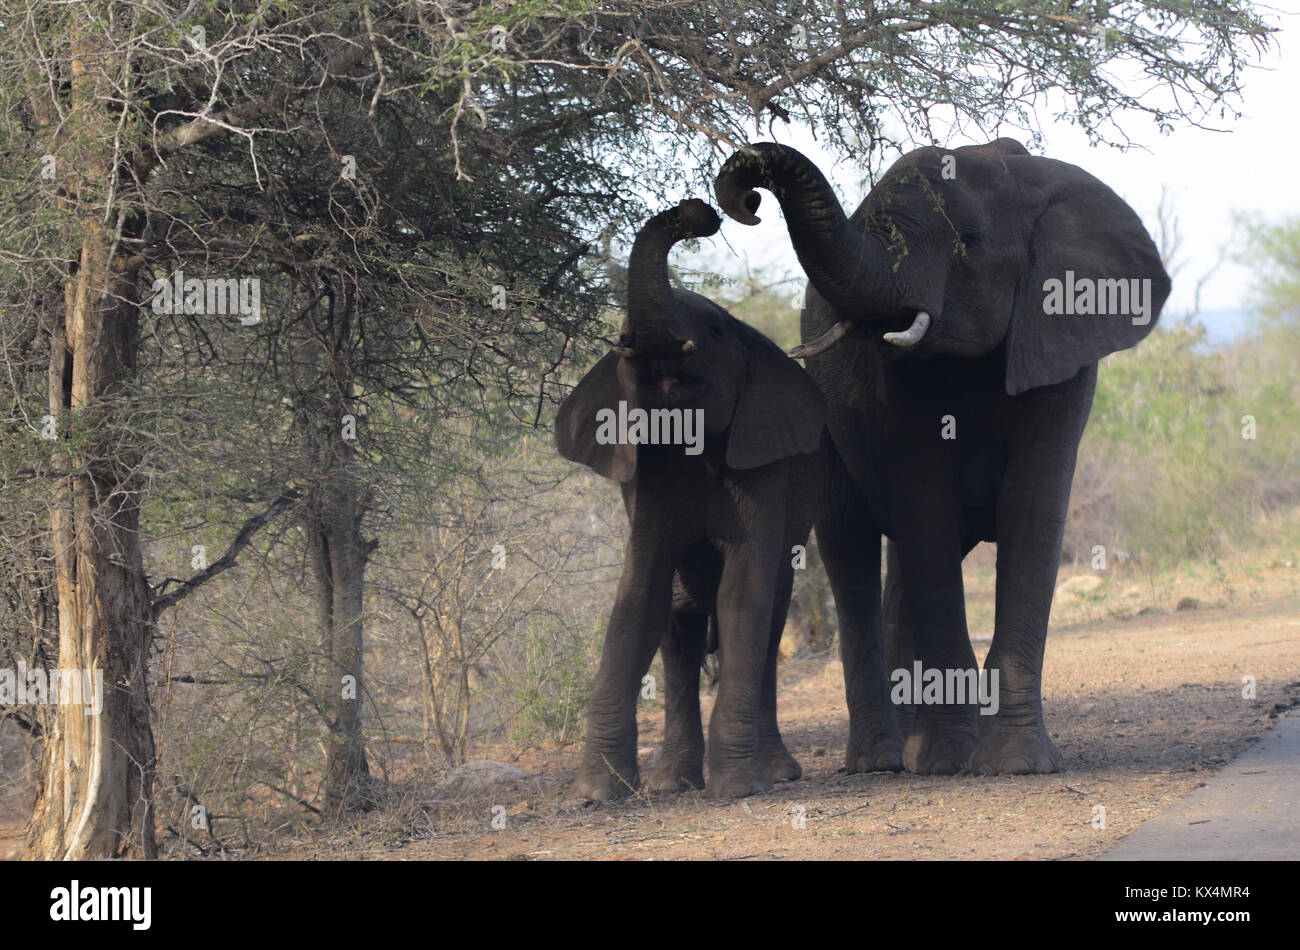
<point>818,751</point>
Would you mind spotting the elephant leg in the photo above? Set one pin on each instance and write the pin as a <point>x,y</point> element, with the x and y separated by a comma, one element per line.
<point>944,732</point>
<point>781,765</point>
<point>745,598</point>
<point>680,762</point>
<point>899,652</point>
<point>642,612</point>
<point>849,542</point>
<point>1032,505</point>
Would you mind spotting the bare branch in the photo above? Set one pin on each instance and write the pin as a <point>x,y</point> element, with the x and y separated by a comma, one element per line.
<point>227,560</point>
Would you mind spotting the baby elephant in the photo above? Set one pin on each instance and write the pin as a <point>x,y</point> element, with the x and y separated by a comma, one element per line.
<point>718,440</point>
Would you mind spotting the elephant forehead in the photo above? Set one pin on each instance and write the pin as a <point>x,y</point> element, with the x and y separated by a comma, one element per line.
<point>912,172</point>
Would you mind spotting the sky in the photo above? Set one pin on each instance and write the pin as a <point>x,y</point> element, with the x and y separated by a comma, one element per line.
<point>1249,168</point>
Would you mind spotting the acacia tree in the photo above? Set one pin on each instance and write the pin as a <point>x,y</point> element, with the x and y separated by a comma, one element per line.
<point>505,136</point>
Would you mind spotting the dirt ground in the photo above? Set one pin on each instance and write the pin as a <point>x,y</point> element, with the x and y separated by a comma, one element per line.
<point>1143,702</point>
<point>1143,688</point>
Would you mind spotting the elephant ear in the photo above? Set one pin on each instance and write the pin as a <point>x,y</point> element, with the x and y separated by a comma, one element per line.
<point>1086,233</point>
<point>780,411</point>
<point>577,421</point>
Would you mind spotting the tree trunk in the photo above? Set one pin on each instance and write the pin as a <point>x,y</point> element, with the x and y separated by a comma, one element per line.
<point>95,784</point>
<point>346,771</point>
<point>95,787</point>
<point>339,556</point>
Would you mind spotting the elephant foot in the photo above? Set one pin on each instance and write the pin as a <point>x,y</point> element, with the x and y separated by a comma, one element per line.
<point>600,779</point>
<point>677,770</point>
<point>939,746</point>
<point>881,754</point>
<point>781,765</point>
<point>875,744</point>
<point>737,782</point>
<point>1014,750</point>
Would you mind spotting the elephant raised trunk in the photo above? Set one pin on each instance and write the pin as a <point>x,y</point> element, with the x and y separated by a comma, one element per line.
<point>652,307</point>
<point>845,262</point>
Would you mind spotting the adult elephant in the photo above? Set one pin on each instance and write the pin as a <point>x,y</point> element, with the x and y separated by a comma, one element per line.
<point>955,322</point>
<point>713,523</point>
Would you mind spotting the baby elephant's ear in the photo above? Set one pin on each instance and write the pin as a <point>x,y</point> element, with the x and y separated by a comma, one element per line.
<point>780,411</point>
<point>576,423</point>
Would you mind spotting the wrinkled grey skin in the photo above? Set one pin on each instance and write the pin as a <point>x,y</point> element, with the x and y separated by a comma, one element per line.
<point>710,533</point>
<point>1017,383</point>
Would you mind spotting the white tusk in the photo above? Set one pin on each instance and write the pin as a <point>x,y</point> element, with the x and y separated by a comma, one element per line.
<point>912,335</point>
<point>824,342</point>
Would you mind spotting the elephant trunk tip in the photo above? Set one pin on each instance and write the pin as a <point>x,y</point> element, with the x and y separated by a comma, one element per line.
<point>747,169</point>
<point>741,206</point>
<point>697,218</point>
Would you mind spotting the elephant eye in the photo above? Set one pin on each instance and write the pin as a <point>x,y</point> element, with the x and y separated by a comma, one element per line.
<point>969,236</point>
